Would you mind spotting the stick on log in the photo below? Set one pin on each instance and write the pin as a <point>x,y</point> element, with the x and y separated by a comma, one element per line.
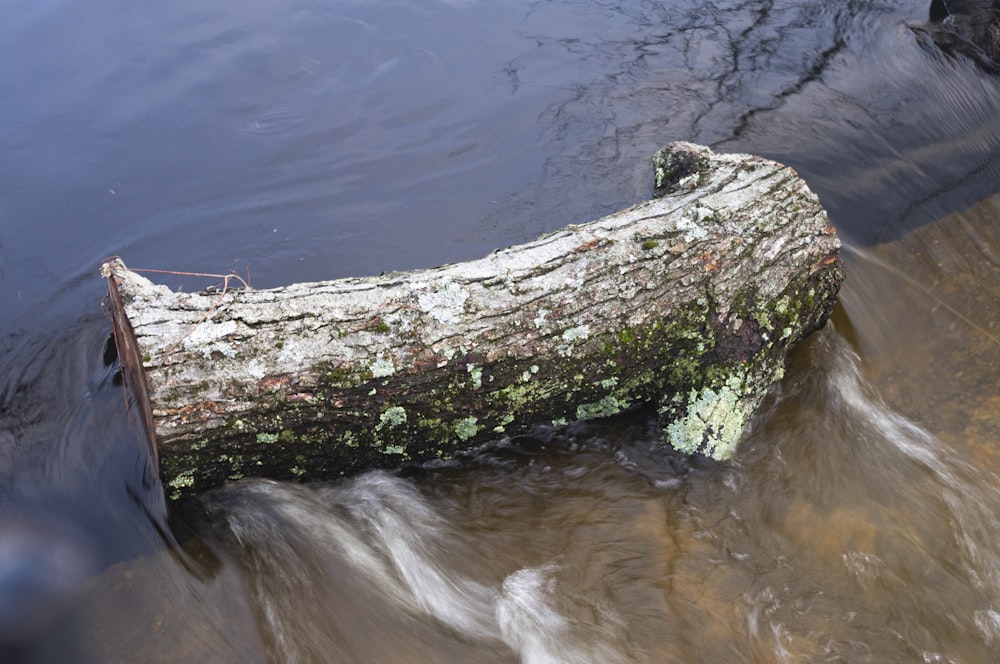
<point>689,301</point>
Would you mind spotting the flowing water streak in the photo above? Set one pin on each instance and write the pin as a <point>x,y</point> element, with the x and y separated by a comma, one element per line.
<point>391,541</point>
<point>970,496</point>
<point>976,528</point>
<point>913,569</point>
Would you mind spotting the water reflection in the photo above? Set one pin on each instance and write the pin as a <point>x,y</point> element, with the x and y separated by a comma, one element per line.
<point>77,486</point>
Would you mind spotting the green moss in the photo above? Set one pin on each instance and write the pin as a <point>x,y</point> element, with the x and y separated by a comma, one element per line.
<point>671,167</point>
<point>348,439</point>
<point>339,377</point>
<point>649,245</point>
<point>607,406</point>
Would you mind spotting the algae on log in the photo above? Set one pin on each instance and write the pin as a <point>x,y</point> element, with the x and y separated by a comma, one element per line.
<point>690,302</point>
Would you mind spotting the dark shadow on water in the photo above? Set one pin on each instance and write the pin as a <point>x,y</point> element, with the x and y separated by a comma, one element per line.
<point>78,488</point>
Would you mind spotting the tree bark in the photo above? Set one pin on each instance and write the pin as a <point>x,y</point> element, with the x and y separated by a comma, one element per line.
<point>689,302</point>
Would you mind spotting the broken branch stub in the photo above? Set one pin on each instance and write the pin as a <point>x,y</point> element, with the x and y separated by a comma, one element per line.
<point>690,302</point>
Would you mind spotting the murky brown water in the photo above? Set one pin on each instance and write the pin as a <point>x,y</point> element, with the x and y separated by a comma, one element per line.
<point>858,523</point>
<point>933,344</point>
<point>311,140</point>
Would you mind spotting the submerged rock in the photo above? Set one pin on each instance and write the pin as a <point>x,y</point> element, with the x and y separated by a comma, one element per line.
<point>967,28</point>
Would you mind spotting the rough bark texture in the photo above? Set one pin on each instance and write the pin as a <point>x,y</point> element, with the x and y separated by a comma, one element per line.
<point>689,301</point>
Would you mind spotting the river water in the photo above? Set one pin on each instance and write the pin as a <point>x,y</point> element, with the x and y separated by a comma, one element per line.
<point>313,139</point>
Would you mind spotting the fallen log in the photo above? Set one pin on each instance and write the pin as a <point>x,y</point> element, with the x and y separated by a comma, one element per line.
<point>689,302</point>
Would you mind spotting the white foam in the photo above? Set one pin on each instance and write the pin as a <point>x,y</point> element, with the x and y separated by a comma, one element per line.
<point>389,535</point>
<point>532,626</point>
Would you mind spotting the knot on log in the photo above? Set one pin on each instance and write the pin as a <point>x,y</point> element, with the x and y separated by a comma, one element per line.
<point>689,302</point>
<point>678,165</point>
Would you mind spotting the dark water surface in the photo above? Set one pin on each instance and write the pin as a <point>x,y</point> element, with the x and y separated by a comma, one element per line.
<point>313,139</point>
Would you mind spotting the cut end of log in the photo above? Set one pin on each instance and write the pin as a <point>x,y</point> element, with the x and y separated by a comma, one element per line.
<point>689,302</point>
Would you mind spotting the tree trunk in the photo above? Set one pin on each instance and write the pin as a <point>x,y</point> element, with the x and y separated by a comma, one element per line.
<point>689,302</point>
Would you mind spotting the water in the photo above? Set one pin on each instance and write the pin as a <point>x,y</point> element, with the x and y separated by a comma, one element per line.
<point>311,139</point>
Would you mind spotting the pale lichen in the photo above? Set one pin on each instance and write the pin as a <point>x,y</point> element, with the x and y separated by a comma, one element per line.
<point>714,421</point>
<point>180,482</point>
<point>382,367</point>
<point>477,375</point>
<point>445,304</point>
<point>467,428</point>
<point>570,336</point>
<point>575,333</point>
<point>392,417</point>
<point>256,369</point>
<point>504,421</point>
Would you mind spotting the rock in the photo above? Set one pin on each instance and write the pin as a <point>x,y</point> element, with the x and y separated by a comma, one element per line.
<point>969,28</point>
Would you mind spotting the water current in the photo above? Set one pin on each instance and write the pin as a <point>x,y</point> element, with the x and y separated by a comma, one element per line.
<point>313,139</point>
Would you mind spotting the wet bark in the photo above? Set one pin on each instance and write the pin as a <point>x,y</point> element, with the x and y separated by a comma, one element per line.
<point>689,302</point>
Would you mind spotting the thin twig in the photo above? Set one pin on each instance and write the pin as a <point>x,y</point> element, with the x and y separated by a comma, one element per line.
<point>226,278</point>
<point>208,314</point>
